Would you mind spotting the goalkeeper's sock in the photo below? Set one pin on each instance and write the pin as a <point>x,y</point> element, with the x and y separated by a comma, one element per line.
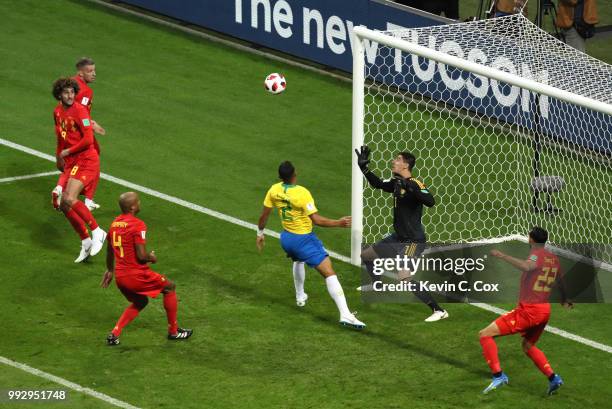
<point>299,276</point>
<point>335,291</point>
<point>369,265</point>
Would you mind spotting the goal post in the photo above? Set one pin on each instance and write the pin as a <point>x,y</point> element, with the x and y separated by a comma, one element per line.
<point>507,129</point>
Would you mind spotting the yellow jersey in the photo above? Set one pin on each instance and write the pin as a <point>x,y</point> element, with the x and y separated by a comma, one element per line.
<point>295,204</point>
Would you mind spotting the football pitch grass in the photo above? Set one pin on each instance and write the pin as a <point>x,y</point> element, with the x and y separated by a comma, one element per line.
<point>190,119</point>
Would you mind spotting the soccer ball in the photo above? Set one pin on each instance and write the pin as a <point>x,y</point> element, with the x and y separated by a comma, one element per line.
<point>275,83</point>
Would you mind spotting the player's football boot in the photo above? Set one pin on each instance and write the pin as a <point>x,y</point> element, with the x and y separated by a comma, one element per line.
<point>554,384</point>
<point>112,340</point>
<point>437,316</point>
<point>91,205</point>
<point>352,321</point>
<point>181,334</point>
<point>366,287</point>
<point>301,301</point>
<point>86,246</point>
<point>497,382</point>
<point>97,238</point>
<point>56,197</point>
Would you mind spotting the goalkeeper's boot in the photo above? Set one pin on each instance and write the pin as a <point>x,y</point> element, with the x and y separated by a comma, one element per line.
<point>497,382</point>
<point>181,334</point>
<point>554,384</point>
<point>437,316</point>
<point>112,340</point>
<point>56,197</point>
<point>301,301</point>
<point>86,245</point>
<point>351,321</point>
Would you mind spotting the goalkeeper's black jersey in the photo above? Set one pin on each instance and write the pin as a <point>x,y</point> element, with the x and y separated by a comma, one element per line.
<point>409,196</point>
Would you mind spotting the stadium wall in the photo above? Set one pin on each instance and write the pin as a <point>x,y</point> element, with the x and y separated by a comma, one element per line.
<point>320,31</point>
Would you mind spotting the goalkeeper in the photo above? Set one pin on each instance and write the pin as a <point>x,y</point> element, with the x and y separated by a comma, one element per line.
<point>408,238</point>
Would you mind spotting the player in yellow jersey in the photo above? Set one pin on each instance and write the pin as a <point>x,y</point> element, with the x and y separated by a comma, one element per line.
<point>298,213</point>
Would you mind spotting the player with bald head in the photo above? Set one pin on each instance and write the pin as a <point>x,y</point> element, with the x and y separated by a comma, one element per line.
<point>127,259</point>
<point>129,202</point>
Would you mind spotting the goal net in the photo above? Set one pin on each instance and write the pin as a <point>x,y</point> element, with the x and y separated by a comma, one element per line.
<point>511,128</point>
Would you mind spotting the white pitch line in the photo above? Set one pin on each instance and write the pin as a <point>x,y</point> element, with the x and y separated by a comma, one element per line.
<point>554,330</point>
<point>239,222</point>
<point>67,384</point>
<point>32,176</point>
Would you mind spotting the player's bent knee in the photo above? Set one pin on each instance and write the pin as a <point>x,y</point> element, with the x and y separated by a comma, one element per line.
<point>169,287</point>
<point>526,345</point>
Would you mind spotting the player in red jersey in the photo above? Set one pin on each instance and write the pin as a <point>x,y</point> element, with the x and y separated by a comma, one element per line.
<point>77,157</point>
<point>86,74</point>
<point>127,259</point>
<point>541,272</point>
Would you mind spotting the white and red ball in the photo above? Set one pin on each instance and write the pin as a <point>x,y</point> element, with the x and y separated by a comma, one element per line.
<point>275,83</point>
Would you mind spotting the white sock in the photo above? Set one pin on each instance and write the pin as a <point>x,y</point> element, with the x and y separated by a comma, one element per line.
<point>335,291</point>
<point>299,276</point>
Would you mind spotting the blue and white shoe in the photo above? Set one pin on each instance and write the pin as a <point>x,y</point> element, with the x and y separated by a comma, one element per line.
<point>555,384</point>
<point>497,383</point>
<point>351,321</point>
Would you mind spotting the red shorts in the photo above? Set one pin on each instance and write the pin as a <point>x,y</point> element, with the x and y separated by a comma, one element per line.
<point>143,282</point>
<point>87,171</point>
<point>528,319</point>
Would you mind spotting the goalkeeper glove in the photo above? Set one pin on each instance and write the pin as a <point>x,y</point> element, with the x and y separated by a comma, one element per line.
<point>363,158</point>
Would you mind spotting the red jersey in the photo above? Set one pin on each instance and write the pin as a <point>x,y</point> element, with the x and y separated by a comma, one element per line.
<point>537,284</point>
<point>85,98</point>
<point>85,95</point>
<point>74,132</point>
<point>125,232</point>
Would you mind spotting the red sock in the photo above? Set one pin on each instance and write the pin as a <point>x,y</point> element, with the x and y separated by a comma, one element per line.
<point>128,315</point>
<point>77,223</point>
<point>489,350</point>
<point>85,214</point>
<point>171,306</point>
<point>539,359</point>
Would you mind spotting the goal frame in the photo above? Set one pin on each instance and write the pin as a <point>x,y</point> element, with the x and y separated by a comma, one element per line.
<point>362,34</point>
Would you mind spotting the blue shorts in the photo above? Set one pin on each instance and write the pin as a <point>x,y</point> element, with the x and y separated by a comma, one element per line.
<point>303,247</point>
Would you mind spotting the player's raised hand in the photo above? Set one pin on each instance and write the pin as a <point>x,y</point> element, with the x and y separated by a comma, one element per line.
<point>345,221</point>
<point>261,241</point>
<point>152,257</point>
<point>363,157</point>
<point>106,279</point>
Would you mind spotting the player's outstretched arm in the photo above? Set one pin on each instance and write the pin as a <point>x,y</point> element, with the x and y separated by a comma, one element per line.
<point>523,265</point>
<point>363,160</point>
<point>261,225</point>
<point>325,222</point>
<point>110,266</point>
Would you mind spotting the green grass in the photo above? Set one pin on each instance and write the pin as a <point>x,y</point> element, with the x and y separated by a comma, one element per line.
<point>189,118</point>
